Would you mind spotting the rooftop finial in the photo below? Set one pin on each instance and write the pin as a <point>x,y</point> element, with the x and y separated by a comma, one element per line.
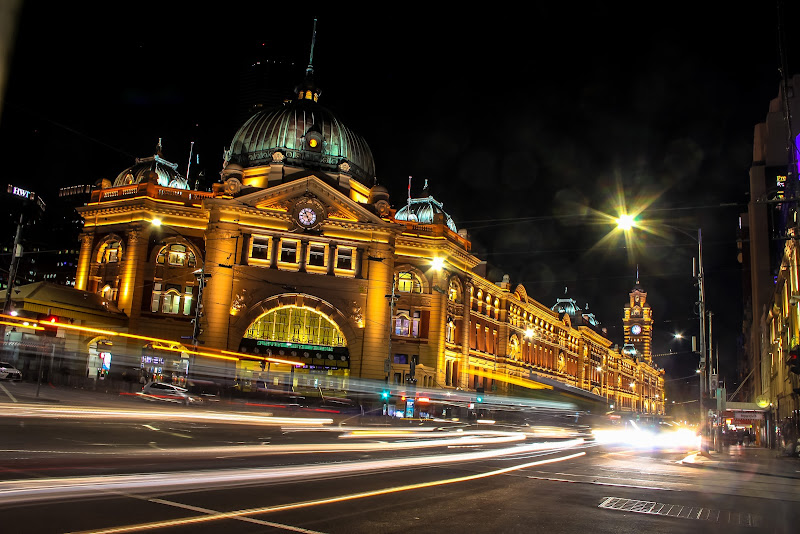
<point>637,273</point>
<point>409,197</point>
<point>308,90</point>
<point>310,68</point>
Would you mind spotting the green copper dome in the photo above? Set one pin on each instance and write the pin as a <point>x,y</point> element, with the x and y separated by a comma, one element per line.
<point>306,135</point>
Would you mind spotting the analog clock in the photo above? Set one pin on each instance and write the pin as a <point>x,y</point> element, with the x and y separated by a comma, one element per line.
<point>636,330</point>
<point>307,216</point>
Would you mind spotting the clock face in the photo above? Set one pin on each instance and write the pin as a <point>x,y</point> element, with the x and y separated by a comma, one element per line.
<point>307,216</point>
<point>636,330</point>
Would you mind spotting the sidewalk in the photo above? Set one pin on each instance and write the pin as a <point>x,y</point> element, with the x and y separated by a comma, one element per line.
<point>747,459</point>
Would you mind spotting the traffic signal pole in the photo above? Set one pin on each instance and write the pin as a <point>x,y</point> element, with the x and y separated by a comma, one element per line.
<point>12,269</point>
<point>702,312</point>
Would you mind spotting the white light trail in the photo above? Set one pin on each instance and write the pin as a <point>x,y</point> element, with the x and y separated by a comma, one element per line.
<point>18,491</point>
<point>305,504</point>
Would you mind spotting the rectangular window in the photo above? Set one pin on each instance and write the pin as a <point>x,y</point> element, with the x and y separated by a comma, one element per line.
<point>156,296</point>
<point>316,255</point>
<point>415,324</point>
<point>401,359</point>
<point>450,332</point>
<point>187,300</point>
<point>259,248</point>
<point>289,251</point>
<point>344,258</point>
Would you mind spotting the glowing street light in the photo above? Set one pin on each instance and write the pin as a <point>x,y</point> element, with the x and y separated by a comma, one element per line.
<point>529,333</point>
<point>625,222</point>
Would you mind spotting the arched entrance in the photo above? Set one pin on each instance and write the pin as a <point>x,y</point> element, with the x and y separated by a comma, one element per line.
<point>295,330</point>
<point>98,361</point>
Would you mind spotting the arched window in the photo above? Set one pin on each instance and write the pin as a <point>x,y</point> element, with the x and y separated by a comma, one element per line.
<point>294,324</point>
<point>176,255</point>
<point>167,298</point>
<point>109,293</point>
<point>408,282</point>
<point>110,252</point>
<point>454,291</point>
<point>450,331</point>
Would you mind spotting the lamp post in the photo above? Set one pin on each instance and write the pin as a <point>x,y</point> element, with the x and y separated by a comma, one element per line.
<point>627,223</point>
<point>201,276</point>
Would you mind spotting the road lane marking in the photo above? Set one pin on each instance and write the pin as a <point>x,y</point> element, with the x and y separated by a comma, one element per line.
<point>329,500</point>
<point>242,518</point>
<point>596,483</point>
<point>10,396</point>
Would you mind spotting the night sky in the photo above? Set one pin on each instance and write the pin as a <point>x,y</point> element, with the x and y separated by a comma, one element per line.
<point>527,123</point>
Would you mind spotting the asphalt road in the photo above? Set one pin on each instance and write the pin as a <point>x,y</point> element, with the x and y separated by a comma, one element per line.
<point>135,467</point>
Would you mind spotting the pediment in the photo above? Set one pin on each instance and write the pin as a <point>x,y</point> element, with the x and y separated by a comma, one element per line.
<point>338,206</point>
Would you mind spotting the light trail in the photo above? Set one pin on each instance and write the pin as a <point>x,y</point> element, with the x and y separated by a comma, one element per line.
<point>18,491</point>
<point>316,502</point>
<point>474,438</point>
<point>88,412</point>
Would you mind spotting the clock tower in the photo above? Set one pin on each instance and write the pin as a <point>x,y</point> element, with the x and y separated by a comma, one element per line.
<point>638,322</point>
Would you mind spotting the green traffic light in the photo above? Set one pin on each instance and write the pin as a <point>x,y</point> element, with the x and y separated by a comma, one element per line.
<point>385,395</point>
<point>480,399</point>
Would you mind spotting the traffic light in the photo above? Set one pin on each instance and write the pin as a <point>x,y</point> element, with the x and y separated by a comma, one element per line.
<point>479,399</point>
<point>263,364</point>
<point>50,325</point>
<point>384,394</point>
<point>793,361</point>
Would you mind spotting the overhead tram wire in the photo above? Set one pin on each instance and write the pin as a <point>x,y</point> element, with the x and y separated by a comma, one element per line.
<point>513,220</point>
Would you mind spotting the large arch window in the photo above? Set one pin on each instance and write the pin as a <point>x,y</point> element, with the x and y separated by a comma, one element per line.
<point>408,282</point>
<point>176,255</point>
<point>110,252</point>
<point>294,324</point>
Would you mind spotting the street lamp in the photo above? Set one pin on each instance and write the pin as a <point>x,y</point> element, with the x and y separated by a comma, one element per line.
<point>626,223</point>
<point>201,276</point>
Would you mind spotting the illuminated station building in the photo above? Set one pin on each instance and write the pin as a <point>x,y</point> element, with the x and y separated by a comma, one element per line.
<point>298,256</point>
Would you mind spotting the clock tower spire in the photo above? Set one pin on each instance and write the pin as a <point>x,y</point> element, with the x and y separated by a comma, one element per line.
<point>637,322</point>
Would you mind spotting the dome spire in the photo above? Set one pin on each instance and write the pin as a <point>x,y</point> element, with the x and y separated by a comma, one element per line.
<point>308,90</point>
<point>310,68</point>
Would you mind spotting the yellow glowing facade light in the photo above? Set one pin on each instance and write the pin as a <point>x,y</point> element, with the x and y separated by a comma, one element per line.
<point>437,263</point>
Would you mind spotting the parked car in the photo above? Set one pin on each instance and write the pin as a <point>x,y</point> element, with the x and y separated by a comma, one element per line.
<point>170,393</point>
<point>9,372</point>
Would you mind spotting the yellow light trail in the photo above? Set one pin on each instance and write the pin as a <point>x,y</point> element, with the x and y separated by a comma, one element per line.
<point>529,384</point>
<point>172,346</point>
<point>316,502</point>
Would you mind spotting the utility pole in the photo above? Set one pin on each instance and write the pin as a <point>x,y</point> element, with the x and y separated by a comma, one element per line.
<point>388,363</point>
<point>12,270</point>
<point>702,312</point>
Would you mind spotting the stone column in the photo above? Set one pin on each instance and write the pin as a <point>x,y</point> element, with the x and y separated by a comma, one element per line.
<point>463,366</point>
<point>131,285</point>
<point>331,258</point>
<point>84,261</point>
<point>376,324</point>
<point>221,242</point>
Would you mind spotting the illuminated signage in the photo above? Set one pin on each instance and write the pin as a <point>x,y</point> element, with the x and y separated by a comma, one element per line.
<point>23,193</point>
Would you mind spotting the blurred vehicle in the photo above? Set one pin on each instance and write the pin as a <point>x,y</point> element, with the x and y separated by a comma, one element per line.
<point>169,393</point>
<point>9,372</point>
